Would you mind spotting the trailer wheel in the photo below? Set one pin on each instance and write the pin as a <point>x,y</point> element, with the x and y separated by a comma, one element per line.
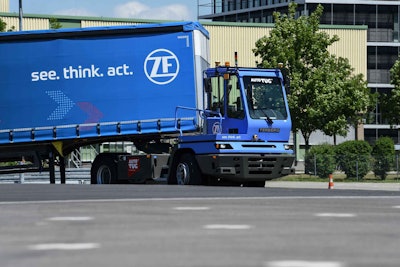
<point>187,171</point>
<point>104,171</point>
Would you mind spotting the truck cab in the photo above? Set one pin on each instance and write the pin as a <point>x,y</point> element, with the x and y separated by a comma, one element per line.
<point>246,130</point>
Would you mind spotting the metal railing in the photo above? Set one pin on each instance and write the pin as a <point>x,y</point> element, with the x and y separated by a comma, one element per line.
<point>200,112</point>
<point>81,155</point>
<point>32,133</point>
<point>354,166</point>
<point>75,159</point>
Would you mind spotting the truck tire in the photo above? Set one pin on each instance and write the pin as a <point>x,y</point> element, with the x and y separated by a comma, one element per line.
<point>104,171</point>
<point>187,170</point>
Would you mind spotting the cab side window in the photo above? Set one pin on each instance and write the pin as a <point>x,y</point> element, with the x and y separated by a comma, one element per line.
<point>235,102</point>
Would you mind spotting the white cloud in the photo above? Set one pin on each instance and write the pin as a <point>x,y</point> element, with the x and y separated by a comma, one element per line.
<point>76,12</point>
<point>139,10</point>
<point>130,9</point>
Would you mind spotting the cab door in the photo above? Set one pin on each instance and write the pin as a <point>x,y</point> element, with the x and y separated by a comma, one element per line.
<point>225,98</point>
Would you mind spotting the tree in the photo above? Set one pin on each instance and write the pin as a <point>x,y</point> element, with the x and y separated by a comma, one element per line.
<point>325,95</point>
<point>390,103</point>
<point>347,97</point>
<point>3,26</point>
<point>54,24</point>
<point>383,153</point>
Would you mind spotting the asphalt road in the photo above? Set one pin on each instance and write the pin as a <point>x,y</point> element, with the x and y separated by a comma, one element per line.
<point>173,226</point>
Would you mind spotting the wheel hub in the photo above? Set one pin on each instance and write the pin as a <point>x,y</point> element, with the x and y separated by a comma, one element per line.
<point>104,175</point>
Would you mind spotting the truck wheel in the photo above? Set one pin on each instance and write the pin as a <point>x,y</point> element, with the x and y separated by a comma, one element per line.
<point>187,171</point>
<point>104,171</point>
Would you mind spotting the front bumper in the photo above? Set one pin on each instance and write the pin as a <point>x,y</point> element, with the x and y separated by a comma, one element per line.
<point>246,167</point>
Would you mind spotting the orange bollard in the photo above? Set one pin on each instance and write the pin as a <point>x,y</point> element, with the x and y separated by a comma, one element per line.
<point>330,185</point>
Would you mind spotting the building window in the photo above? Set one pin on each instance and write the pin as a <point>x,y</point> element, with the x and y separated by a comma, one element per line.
<point>243,17</point>
<point>256,16</point>
<point>326,17</point>
<point>382,119</point>
<point>378,115</point>
<point>380,61</point>
<point>370,135</point>
<point>343,14</point>
<point>219,6</point>
<point>372,117</point>
<point>387,23</point>
<point>268,17</point>
<point>230,18</point>
<point>387,56</point>
<point>231,5</point>
<point>365,15</point>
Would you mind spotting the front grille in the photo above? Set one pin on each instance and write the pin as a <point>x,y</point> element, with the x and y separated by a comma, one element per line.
<point>260,165</point>
<point>259,146</point>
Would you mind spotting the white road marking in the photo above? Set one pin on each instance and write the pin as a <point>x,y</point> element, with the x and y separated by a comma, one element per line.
<point>227,227</point>
<point>338,215</point>
<point>293,263</point>
<point>70,219</point>
<point>191,208</point>
<point>396,207</point>
<point>188,198</point>
<point>64,246</point>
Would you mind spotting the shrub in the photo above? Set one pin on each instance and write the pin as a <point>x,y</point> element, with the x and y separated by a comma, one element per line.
<point>383,154</point>
<point>353,158</point>
<point>320,160</point>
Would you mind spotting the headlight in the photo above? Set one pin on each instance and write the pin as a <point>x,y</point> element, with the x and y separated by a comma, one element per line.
<point>288,147</point>
<point>223,146</point>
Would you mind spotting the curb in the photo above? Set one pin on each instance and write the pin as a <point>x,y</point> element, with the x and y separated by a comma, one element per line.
<point>338,185</point>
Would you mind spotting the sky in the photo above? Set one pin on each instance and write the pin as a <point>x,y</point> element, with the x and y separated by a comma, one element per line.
<point>138,9</point>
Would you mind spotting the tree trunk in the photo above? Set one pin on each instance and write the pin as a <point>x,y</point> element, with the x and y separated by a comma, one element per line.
<point>306,137</point>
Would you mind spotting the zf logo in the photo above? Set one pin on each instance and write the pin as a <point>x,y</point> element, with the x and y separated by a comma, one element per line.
<point>161,66</point>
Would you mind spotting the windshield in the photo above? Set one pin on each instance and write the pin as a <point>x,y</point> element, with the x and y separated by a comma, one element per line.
<point>265,98</point>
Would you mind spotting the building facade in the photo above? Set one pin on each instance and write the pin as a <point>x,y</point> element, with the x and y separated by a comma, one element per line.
<point>4,5</point>
<point>383,46</point>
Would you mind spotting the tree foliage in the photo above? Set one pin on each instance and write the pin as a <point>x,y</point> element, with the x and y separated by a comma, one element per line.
<point>353,158</point>
<point>54,24</point>
<point>3,26</point>
<point>325,94</point>
<point>390,103</point>
<point>320,160</point>
<point>383,153</point>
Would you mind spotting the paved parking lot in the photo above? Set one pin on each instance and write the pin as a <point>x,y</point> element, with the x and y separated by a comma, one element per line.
<point>161,225</point>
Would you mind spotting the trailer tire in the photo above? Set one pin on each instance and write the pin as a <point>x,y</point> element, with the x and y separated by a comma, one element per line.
<point>104,171</point>
<point>188,171</point>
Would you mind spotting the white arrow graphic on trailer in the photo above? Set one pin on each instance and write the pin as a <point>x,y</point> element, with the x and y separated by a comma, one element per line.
<point>64,105</point>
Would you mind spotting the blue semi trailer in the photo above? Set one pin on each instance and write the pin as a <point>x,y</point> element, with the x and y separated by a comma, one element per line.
<point>150,84</point>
